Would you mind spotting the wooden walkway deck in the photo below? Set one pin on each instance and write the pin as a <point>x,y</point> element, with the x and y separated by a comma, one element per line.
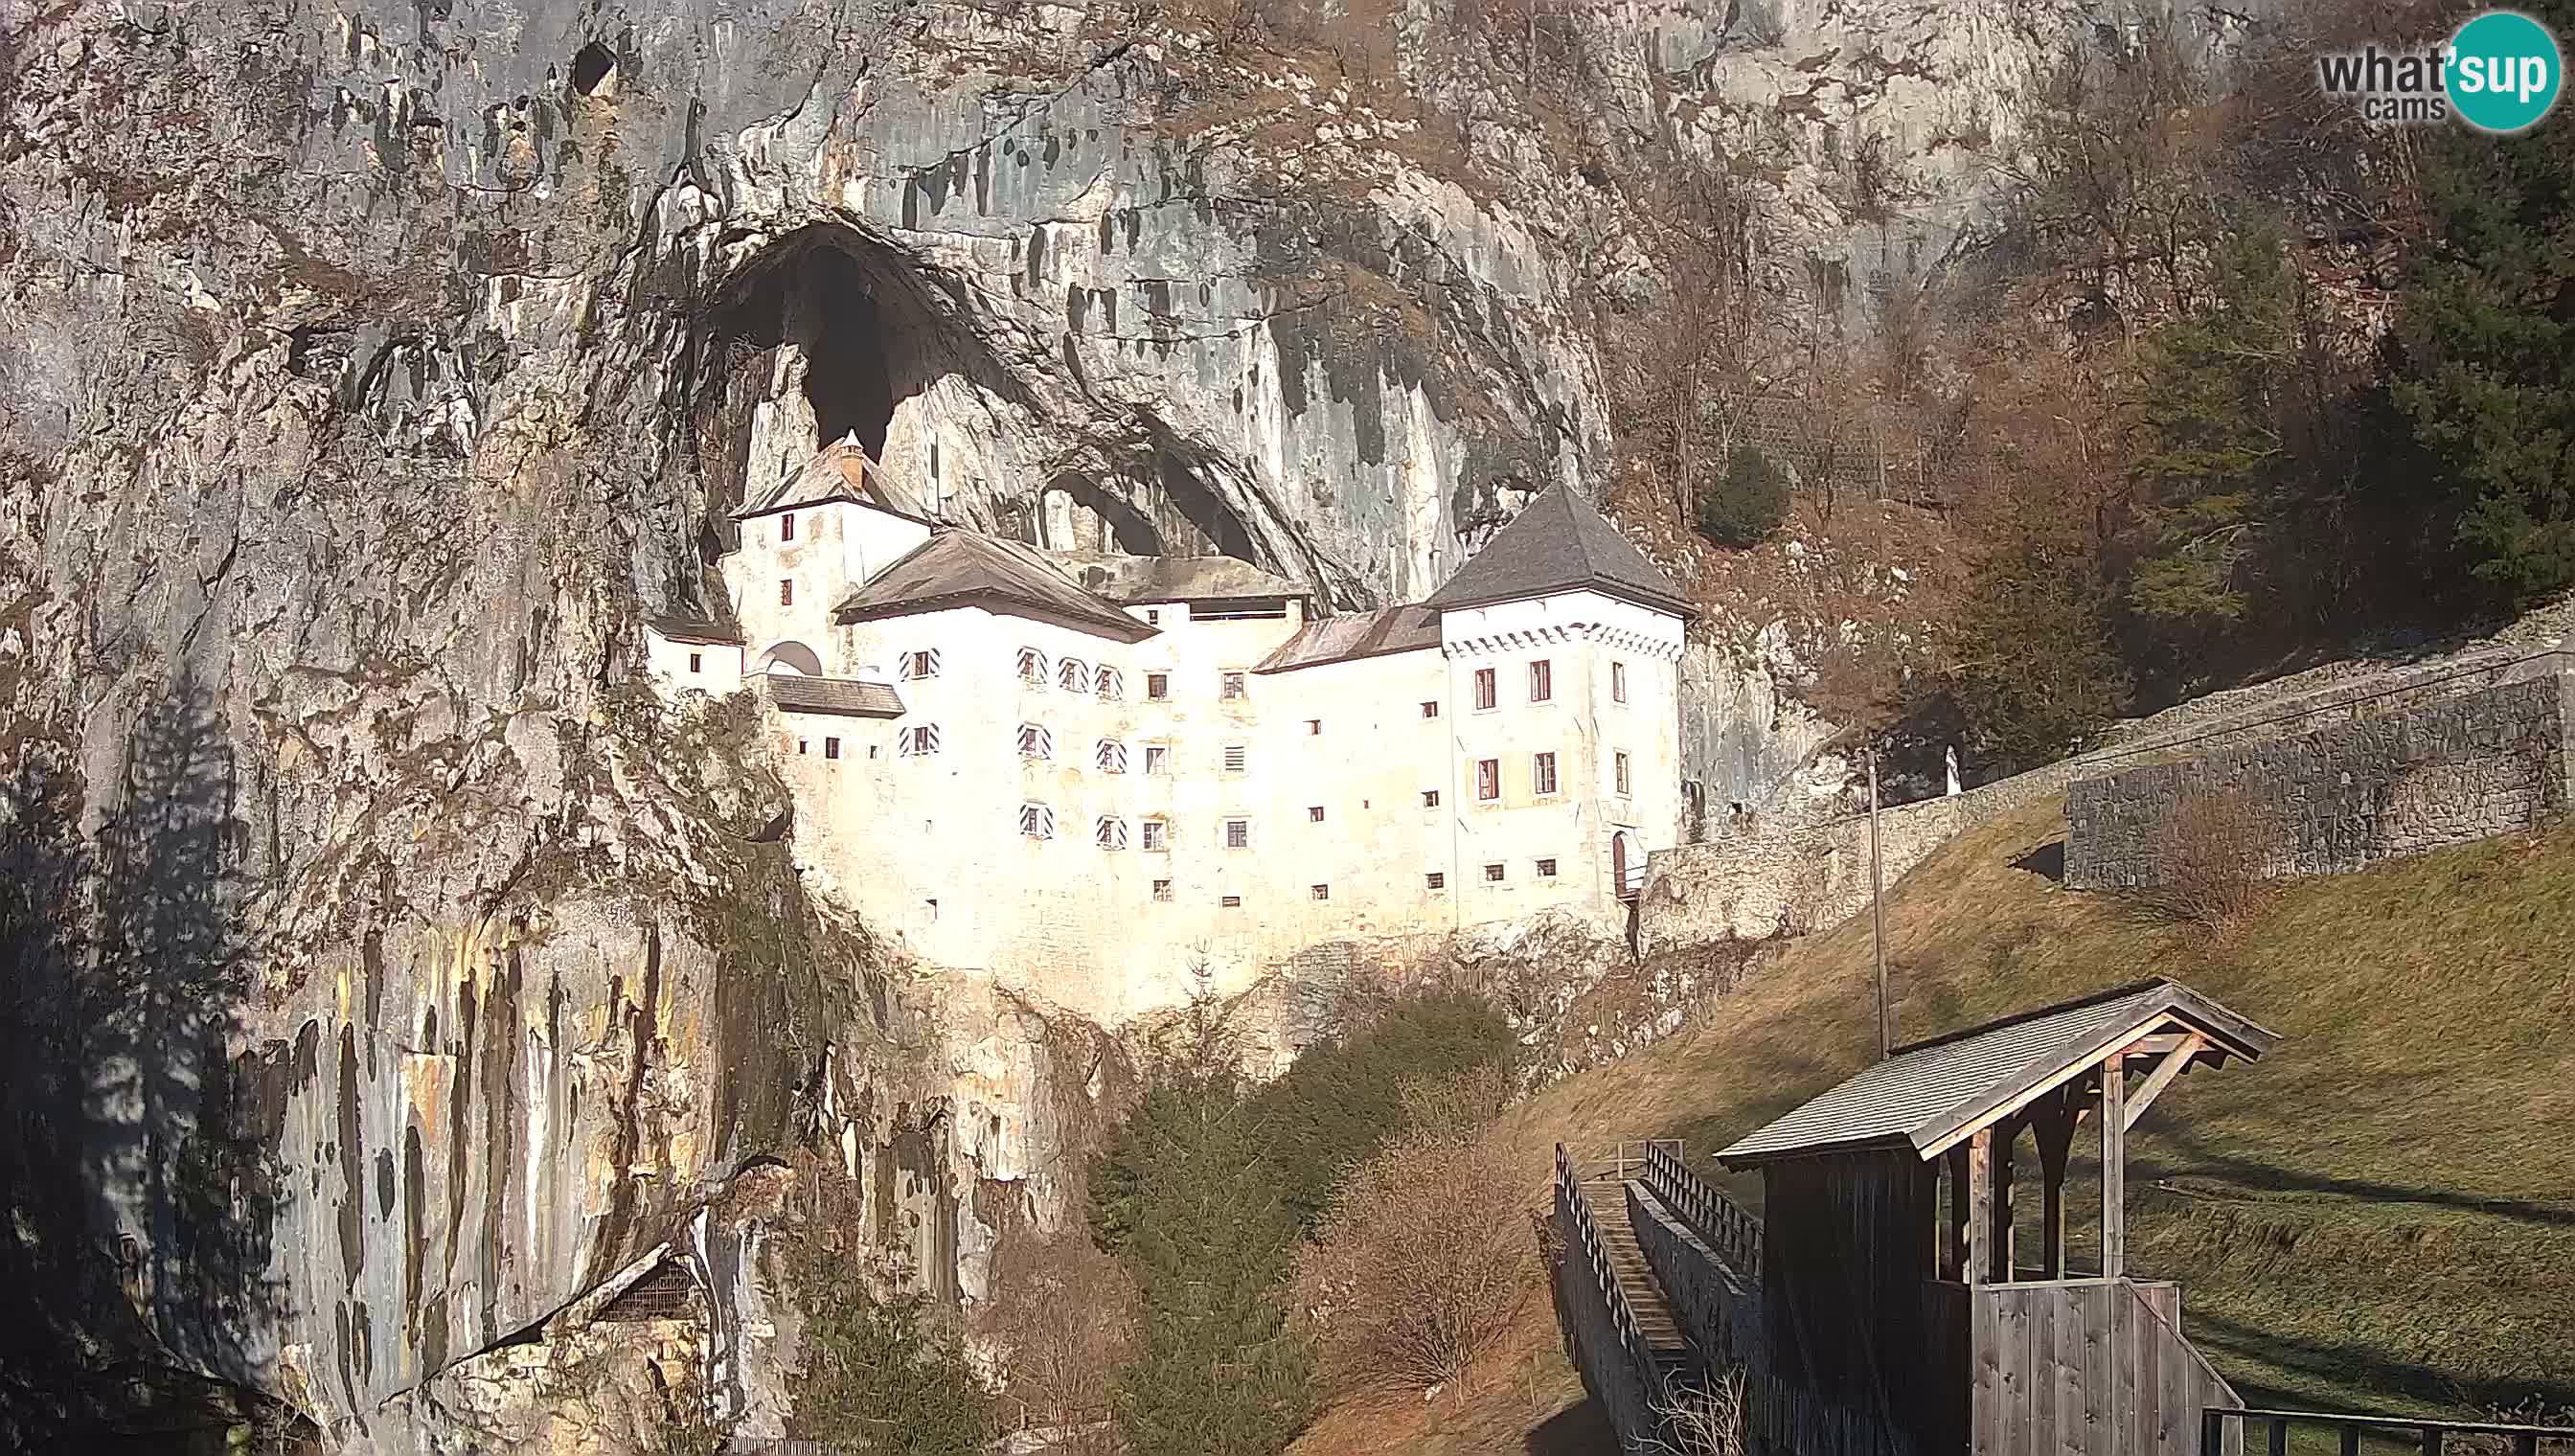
<point>1607,1195</point>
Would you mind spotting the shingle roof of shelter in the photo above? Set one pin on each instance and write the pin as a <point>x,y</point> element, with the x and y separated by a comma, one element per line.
<point>1558,544</point>
<point>1355,635</point>
<point>1134,580</point>
<point>964,569</point>
<point>843,472</point>
<point>1928,1095</point>
<point>845,696</point>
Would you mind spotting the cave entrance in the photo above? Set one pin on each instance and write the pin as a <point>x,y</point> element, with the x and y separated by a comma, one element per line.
<point>837,323</point>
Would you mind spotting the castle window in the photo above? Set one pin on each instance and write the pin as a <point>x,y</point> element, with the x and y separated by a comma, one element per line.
<point>1109,833</point>
<point>1236,758</point>
<point>1489,778</point>
<point>1037,820</point>
<point>1158,835</point>
<point>917,742</point>
<point>1232,902</point>
<point>1315,814</point>
<point>1621,761</point>
<point>1542,774</point>
<point>1313,725</point>
<point>1163,889</point>
<point>1435,880</point>
<point>1546,869</point>
<point>697,663</point>
<point>1033,667</point>
<point>920,665</point>
<point>1112,683</point>
<point>1157,687</point>
<point>1430,709</point>
<point>1617,681</point>
<point>1035,741</point>
<point>1232,689</point>
<point>1158,759</point>
<point>1238,833</point>
<point>1110,755</point>
<point>1152,617</point>
<point>1430,798</point>
<point>830,747</point>
<point>787,593</point>
<point>1541,681</point>
<point>800,745</point>
<point>1492,874</point>
<point>1486,693</point>
<point>1321,892</point>
<point>1072,676</point>
<point>787,527</point>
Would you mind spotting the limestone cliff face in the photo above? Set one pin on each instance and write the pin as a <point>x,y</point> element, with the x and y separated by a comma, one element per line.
<point>368,372</point>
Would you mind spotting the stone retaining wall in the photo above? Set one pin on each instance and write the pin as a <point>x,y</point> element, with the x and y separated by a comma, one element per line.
<point>2377,788</point>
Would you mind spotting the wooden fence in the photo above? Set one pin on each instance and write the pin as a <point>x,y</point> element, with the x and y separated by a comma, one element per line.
<point>2229,1431</point>
<point>1608,1346</point>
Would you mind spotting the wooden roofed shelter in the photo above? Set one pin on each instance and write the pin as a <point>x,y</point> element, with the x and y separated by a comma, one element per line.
<point>1885,1292</point>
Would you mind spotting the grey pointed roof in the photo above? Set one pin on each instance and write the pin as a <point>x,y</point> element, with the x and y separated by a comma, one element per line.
<point>964,569</point>
<point>843,472</point>
<point>1924,1096</point>
<point>1558,544</point>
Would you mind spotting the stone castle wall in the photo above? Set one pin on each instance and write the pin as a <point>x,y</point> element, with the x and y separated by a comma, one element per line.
<point>2466,767</point>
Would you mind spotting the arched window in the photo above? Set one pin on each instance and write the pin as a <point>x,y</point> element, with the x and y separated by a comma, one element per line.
<point>1111,682</point>
<point>1109,833</point>
<point>1072,675</point>
<point>917,743</point>
<point>1110,755</point>
<point>1037,820</point>
<point>1033,667</point>
<point>1035,741</point>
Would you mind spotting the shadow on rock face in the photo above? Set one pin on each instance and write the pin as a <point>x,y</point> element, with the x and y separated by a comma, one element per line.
<point>133,1155</point>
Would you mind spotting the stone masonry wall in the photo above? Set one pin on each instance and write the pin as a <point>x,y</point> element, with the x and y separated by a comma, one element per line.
<point>2463,769</point>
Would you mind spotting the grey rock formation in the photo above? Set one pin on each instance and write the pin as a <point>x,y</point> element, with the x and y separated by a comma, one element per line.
<point>368,373</point>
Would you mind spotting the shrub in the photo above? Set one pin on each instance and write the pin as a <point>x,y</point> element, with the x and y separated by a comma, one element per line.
<point>1341,1099</point>
<point>1418,1264</point>
<point>1742,506</point>
<point>2211,860</point>
<point>1707,1421</point>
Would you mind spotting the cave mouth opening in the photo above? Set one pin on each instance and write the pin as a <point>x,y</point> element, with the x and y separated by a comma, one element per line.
<point>594,69</point>
<point>848,382</point>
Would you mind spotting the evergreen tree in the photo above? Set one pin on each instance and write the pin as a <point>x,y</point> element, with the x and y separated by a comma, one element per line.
<point>1742,506</point>
<point>1186,1193</point>
<point>2213,471</point>
<point>883,1377</point>
<point>2036,672</point>
<point>2484,362</point>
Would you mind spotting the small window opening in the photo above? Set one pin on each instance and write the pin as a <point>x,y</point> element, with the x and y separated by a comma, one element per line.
<point>1541,681</point>
<point>1158,836</point>
<point>1161,890</point>
<point>1617,681</point>
<point>1542,774</point>
<point>1232,691</point>
<point>1315,814</point>
<point>1157,687</point>
<point>787,527</point>
<point>1489,778</point>
<point>1236,757</point>
<point>1233,902</point>
<point>830,747</point>
<point>1431,710</point>
<point>1485,689</point>
<point>1238,833</point>
<point>1546,869</point>
<point>1435,880</point>
<point>1322,892</point>
<point>787,593</point>
<point>697,663</point>
<point>1430,798</point>
<point>1313,727</point>
<point>1492,874</point>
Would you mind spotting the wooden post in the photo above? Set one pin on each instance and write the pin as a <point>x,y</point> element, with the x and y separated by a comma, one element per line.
<point>1980,1207</point>
<point>1877,917</point>
<point>1955,1264</point>
<point>2051,1125</point>
<point>1999,1148</point>
<point>2114,1166</point>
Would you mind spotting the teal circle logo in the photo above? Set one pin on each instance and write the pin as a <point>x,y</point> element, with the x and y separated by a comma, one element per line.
<point>2503,71</point>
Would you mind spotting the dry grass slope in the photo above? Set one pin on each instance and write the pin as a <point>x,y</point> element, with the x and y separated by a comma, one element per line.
<point>2381,1214</point>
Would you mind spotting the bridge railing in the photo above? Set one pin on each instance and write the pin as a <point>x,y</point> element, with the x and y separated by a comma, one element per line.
<point>1734,1233</point>
<point>1588,1261</point>
<point>2429,1436</point>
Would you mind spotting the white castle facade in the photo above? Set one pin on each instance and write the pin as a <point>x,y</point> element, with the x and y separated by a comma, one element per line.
<point>1086,775</point>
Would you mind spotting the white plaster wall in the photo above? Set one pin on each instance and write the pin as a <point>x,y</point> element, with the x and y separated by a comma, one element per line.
<point>837,545</point>
<point>1079,925</point>
<point>719,669</point>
